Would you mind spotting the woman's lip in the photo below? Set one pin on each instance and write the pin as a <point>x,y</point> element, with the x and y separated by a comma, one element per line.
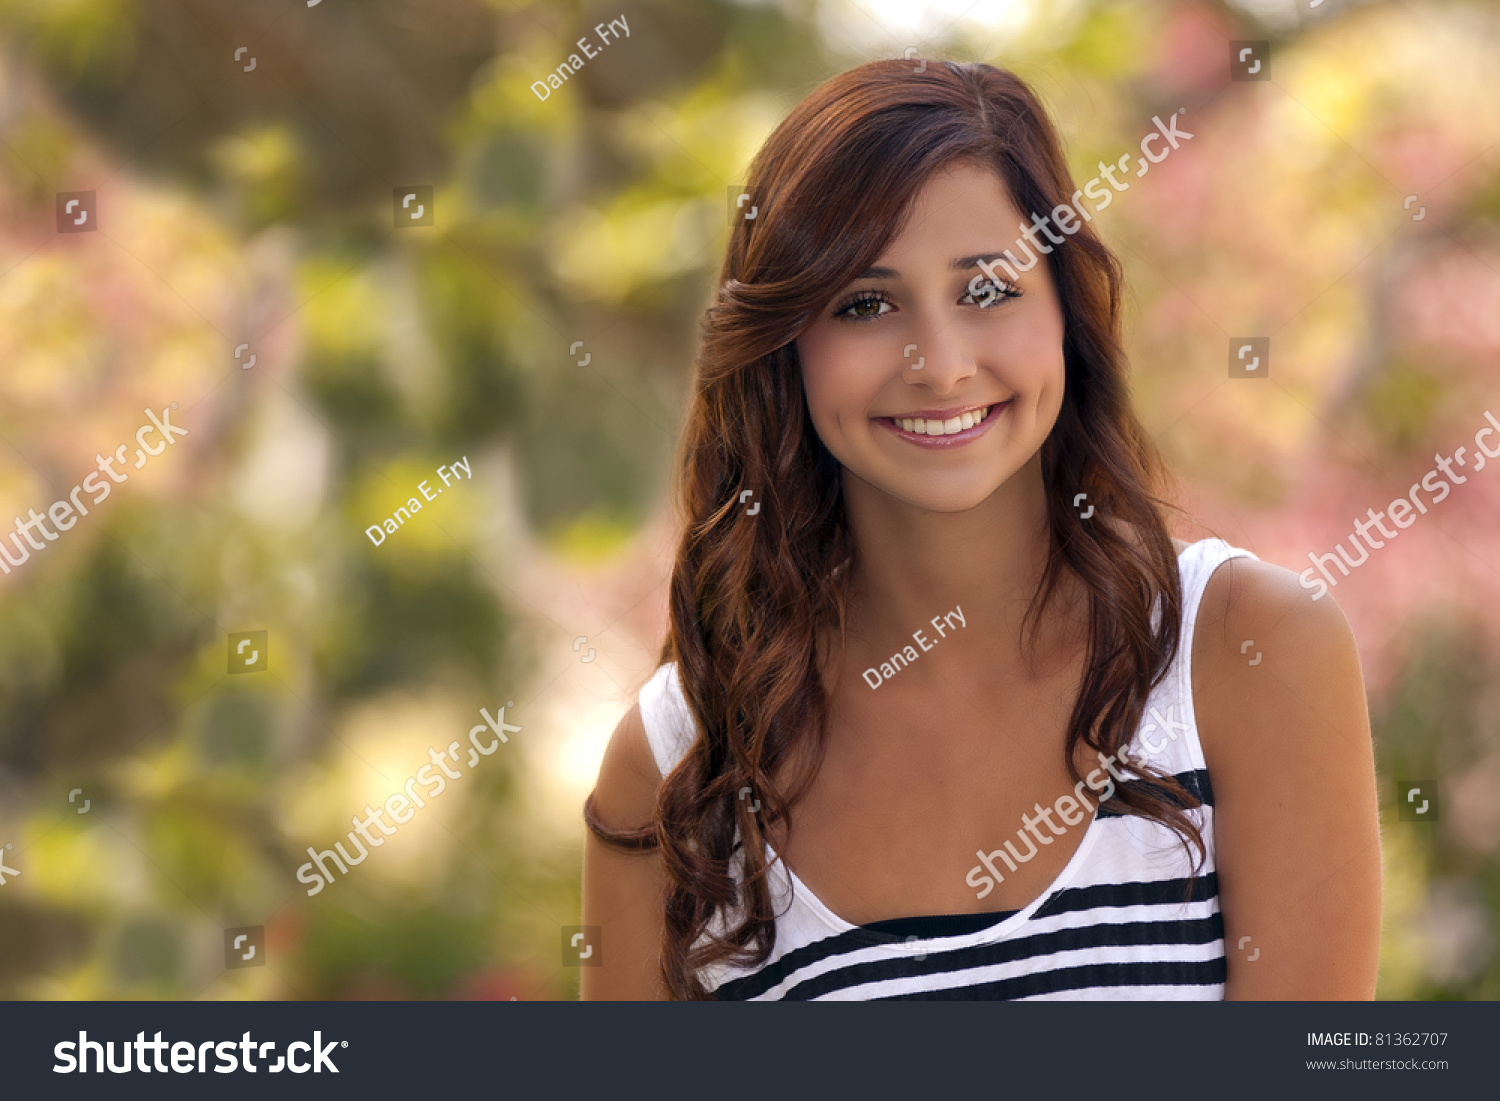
<point>958,439</point>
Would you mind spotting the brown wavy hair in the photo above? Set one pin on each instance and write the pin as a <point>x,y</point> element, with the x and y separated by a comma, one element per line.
<point>756,603</point>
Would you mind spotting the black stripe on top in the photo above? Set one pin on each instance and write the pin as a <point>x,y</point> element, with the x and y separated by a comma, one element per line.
<point>1132,934</point>
<point>1088,976</point>
<point>1194,780</point>
<point>1162,892</point>
<point>1158,893</point>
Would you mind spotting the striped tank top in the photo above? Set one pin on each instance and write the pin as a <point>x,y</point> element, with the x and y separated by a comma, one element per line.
<point>1118,923</point>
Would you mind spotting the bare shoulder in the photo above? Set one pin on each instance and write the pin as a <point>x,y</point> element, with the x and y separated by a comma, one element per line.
<point>626,789</point>
<point>1271,665</point>
<point>1280,705</point>
<point>1256,615</point>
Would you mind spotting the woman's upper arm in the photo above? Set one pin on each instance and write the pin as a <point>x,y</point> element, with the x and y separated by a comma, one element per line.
<point>1296,823</point>
<point>624,892</point>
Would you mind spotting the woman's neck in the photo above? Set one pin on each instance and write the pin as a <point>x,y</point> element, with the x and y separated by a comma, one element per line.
<point>914,565</point>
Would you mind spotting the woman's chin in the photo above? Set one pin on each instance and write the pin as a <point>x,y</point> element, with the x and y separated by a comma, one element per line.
<point>949,499</point>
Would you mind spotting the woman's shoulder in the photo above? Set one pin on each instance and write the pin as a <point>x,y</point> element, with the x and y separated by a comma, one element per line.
<point>626,789</point>
<point>1270,664</point>
<point>647,744</point>
<point>1246,598</point>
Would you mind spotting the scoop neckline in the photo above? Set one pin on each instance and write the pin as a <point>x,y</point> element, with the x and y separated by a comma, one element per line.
<point>872,938</point>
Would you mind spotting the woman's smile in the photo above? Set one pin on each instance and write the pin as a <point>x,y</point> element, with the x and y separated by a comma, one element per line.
<point>938,428</point>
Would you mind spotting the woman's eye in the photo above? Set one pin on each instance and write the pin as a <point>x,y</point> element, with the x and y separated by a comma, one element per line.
<point>985,293</point>
<point>864,307</point>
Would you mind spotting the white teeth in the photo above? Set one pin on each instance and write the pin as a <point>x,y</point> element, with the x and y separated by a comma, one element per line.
<point>948,427</point>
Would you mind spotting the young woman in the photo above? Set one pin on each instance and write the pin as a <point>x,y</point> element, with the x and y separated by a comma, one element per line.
<point>950,714</point>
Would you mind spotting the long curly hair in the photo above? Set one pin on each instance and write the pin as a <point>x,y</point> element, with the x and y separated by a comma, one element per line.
<point>753,600</point>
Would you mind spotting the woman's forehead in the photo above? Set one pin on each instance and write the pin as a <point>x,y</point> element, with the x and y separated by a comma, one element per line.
<point>964,209</point>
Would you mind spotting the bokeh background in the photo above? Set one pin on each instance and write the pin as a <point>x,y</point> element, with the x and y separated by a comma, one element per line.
<point>255,207</point>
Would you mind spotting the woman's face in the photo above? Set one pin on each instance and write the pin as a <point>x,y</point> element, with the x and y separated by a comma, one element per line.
<point>903,359</point>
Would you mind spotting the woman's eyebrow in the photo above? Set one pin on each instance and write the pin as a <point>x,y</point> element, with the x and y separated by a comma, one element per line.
<point>963,263</point>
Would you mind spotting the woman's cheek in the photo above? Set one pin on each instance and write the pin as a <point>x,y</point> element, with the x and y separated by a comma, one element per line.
<point>831,377</point>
